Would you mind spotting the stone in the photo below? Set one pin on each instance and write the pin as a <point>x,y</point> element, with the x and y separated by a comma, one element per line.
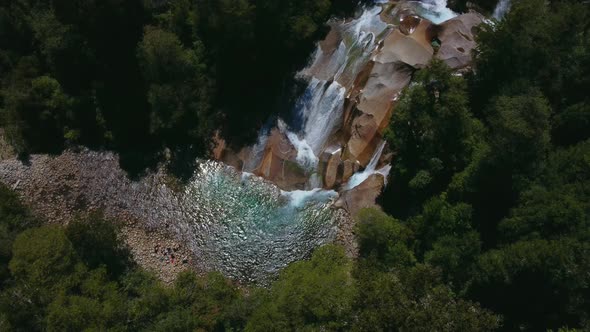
<point>375,106</point>
<point>349,168</point>
<point>408,24</point>
<point>279,163</point>
<point>363,195</point>
<point>457,40</point>
<point>331,166</point>
<point>414,49</point>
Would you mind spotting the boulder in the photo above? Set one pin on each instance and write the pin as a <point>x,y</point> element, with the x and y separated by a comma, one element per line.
<point>349,168</point>
<point>374,108</point>
<point>331,163</point>
<point>457,40</point>
<point>408,24</point>
<point>363,195</point>
<point>279,163</point>
<point>413,49</point>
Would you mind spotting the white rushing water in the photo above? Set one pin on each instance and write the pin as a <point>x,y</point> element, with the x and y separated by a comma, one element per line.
<point>321,106</point>
<point>501,9</point>
<point>247,228</point>
<point>360,177</point>
<point>436,11</point>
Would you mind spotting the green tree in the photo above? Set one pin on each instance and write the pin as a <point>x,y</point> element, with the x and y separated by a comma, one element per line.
<point>309,295</point>
<point>384,239</point>
<point>414,299</point>
<point>98,305</point>
<point>96,241</point>
<point>178,93</point>
<point>434,136</point>
<point>536,284</point>
<point>36,115</point>
<point>14,218</point>
<point>45,261</point>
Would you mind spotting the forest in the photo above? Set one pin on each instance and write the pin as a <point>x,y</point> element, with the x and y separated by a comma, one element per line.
<point>486,219</point>
<point>138,77</point>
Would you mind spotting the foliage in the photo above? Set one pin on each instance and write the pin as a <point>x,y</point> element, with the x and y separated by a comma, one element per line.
<point>176,72</point>
<point>14,218</point>
<point>434,135</point>
<point>505,219</point>
<point>309,295</point>
<point>95,239</point>
<point>384,239</point>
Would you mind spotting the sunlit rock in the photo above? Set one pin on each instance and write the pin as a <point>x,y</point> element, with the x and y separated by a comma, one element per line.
<point>363,195</point>
<point>457,40</point>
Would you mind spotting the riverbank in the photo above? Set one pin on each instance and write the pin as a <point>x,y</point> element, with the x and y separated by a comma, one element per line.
<point>58,188</point>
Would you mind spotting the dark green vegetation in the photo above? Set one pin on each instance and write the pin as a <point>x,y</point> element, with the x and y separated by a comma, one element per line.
<point>82,278</point>
<point>140,76</point>
<point>491,184</point>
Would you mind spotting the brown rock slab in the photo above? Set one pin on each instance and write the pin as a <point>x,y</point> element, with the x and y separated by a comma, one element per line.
<point>333,163</point>
<point>279,164</point>
<point>362,196</point>
<point>414,50</point>
<point>457,40</point>
<point>376,106</point>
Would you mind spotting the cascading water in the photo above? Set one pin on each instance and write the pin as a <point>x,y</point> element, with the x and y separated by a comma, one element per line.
<point>501,9</point>
<point>322,104</point>
<point>360,177</point>
<point>436,11</point>
<point>245,226</point>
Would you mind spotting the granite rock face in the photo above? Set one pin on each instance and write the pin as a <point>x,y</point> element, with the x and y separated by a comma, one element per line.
<point>373,58</point>
<point>457,40</point>
<point>362,196</point>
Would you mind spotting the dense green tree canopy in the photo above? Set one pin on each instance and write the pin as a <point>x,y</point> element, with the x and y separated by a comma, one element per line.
<point>485,223</point>
<point>141,76</point>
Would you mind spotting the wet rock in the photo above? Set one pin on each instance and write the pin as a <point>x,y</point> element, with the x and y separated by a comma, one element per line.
<point>414,49</point>
<point>349,168</point>
<point>279,164</point>
<point>408,24</point>
<point>375,106</point>
<point>362,196</point>
<point>457,40</point>
<point>331,163</point>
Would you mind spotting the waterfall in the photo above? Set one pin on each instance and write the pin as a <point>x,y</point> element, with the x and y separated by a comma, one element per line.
<point>501,9</point>
<point>360,177</point>
<point>436,11</point>
<point>320,108</point>
<point>323,113</point>
<point>247,227</point>
<point>256,153</point>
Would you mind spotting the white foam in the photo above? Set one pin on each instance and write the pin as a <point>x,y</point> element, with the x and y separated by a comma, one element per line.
<point>501,9</point>
<point>323,115</point>
<point>305,155</point>
<point>436,11</point>
<point>360,177</point>
<point>298,198</point>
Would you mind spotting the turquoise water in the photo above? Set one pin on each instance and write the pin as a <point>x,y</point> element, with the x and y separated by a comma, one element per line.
<point>247,228</point>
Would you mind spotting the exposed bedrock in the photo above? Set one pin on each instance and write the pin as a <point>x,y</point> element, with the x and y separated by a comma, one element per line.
<point>373,58</point>
<point>361,196</point>
<point>457,40</point>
